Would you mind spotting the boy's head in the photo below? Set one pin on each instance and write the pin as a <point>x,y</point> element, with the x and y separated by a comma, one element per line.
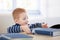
<point>20,17</point>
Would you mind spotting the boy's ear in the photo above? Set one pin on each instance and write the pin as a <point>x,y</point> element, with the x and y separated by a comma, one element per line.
<point>16,20</point>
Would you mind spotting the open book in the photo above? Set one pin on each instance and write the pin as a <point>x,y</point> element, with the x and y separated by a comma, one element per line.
<point>3,37</point>
<point>16,36</point>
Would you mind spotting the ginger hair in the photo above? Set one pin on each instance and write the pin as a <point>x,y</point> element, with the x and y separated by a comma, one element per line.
<point>17,11</point>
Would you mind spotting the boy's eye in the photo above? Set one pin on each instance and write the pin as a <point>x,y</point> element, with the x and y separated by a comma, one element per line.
<point>24,18</point>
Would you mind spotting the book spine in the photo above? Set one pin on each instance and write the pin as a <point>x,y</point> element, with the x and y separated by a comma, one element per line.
<point>44,32</point>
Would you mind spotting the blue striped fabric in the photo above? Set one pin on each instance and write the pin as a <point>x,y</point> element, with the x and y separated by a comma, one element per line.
<point>14,29</point>
<point>36,25</point>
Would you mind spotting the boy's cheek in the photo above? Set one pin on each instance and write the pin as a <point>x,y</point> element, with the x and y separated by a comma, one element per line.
<point>22,23</point>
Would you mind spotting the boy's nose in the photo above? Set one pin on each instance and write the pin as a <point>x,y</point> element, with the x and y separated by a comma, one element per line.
<point>27,21</point>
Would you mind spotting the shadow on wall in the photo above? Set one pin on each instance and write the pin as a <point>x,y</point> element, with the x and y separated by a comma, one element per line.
<point>5,21</point>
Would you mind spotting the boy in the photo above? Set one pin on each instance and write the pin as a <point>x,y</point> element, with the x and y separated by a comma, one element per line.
<point>21,21</point>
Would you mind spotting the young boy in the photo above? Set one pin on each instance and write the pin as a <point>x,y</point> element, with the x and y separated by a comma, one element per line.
<point>21,21</point>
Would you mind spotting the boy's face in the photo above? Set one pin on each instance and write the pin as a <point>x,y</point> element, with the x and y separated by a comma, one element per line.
<point>23,19</point>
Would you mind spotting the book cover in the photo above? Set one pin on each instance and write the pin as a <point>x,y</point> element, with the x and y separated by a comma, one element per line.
<point>46,31</point>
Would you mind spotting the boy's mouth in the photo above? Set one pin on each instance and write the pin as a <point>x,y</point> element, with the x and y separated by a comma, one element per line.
<point>26,23</point>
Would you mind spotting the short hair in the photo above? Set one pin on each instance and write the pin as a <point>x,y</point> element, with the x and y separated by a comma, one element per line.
<point>17,11</point>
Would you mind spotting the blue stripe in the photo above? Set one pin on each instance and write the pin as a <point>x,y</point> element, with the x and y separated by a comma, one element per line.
<point>14,29</point>
<point>9,30</point>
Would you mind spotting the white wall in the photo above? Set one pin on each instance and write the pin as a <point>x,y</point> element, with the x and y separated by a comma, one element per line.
<point>53,9</point>
<point>28,4</point>
<point>50,10</point>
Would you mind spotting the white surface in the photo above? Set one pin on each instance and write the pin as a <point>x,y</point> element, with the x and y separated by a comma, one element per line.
<point>53,8</point>
<point>28,4</point>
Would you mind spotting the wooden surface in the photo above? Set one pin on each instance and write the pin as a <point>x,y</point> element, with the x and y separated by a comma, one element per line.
<point>43,37</point>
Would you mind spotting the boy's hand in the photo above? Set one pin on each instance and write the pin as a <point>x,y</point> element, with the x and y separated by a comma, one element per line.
<point>26,29</point>
<point>44,26</point>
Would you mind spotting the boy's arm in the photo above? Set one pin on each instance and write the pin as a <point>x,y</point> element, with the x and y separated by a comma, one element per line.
<point>14,29</point>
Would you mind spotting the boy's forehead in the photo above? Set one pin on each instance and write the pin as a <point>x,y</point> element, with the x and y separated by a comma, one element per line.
<point>23,14</point>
